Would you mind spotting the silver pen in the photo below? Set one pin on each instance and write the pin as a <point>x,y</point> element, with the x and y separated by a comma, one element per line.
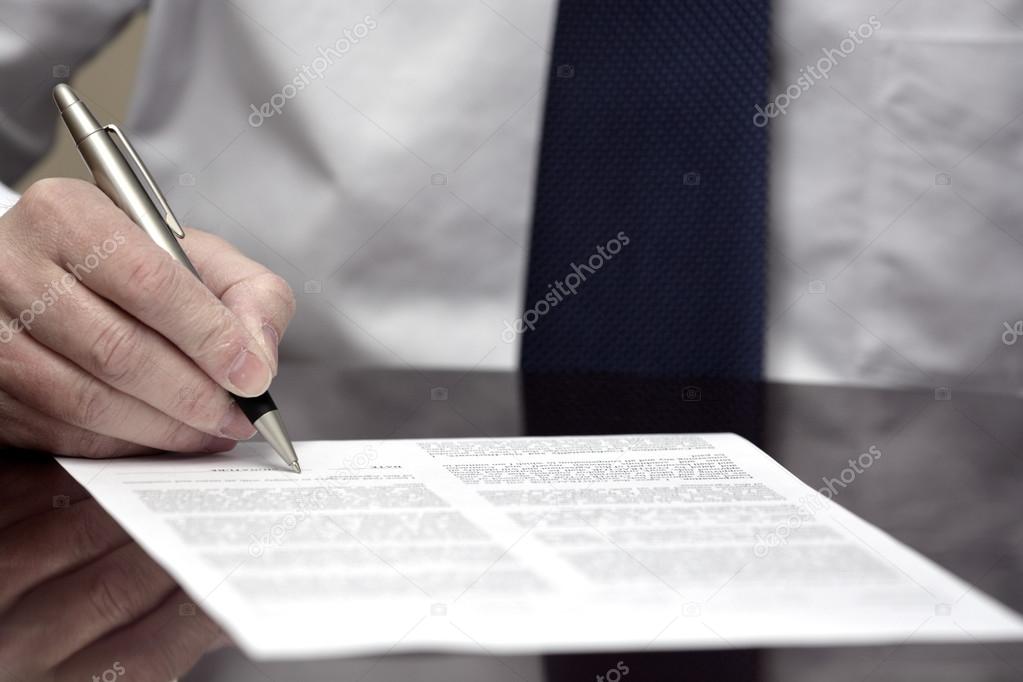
<point>111,167</point>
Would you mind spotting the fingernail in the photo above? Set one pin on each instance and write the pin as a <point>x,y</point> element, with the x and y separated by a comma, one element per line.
<point>249,375</point>
<point>272,341</point>
<point>236,427</point>
<point>214,444</point>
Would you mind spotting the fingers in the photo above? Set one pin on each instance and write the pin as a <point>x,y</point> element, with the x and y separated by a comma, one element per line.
<point>161,646</point>
<point>80,607</point>
<point>261,299</point>
<point>27,428</point>
<point>40,547</point>
<point>149,285</point>
<point>63,391</point>
<point>132,358</point>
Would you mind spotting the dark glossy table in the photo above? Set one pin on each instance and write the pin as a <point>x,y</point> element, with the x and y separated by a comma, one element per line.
<point>949,483</point>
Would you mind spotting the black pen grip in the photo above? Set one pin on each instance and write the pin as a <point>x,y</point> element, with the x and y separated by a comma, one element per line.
<point>254,408</point>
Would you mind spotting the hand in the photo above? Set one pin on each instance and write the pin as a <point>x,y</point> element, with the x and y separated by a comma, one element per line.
<point>109,347</point>
<point>79,600</point>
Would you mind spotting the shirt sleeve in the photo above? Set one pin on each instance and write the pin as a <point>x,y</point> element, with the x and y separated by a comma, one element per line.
<point>8,197</point>
<point>42,42</point>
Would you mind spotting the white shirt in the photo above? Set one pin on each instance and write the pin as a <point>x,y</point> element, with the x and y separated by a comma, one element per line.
<point>381,156</point>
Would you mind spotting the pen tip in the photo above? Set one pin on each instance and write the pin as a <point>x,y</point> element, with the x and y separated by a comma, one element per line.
<point>272,429</point>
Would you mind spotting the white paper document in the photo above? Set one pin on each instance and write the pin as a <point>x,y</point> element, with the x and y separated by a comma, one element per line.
<point>528,545</point>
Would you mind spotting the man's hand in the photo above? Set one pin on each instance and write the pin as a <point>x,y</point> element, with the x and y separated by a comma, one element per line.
<point>79,600</point>
<point>109,347</point>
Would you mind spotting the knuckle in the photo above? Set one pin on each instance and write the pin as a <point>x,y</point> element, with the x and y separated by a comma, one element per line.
<point>62,215</point>
<point>108,592</point>
<point>219,332</point>
<point>115,353</point>
<point>89,531</point>
<point>43,198</point>
<point>280,288</point>
<point>47,201</point>
<point>91,404</point>
<point>201,405</point>
<point>151,277</point>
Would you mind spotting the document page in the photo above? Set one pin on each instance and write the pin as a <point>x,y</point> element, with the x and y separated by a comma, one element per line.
<point>525,545</point>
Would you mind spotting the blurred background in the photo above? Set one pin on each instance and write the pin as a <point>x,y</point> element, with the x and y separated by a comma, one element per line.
<point>108,79</point>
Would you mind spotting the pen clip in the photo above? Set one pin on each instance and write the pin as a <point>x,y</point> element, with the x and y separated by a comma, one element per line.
<point>168,215</point>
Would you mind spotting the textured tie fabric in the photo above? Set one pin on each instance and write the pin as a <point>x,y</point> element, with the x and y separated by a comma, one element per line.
<point>647,254</point>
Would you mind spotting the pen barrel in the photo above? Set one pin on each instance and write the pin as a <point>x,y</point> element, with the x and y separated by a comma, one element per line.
<point>79,120</point>
<point>117,179</point>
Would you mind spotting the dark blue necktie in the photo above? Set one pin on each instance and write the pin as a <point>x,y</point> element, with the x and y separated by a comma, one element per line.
<point>647,253</point>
